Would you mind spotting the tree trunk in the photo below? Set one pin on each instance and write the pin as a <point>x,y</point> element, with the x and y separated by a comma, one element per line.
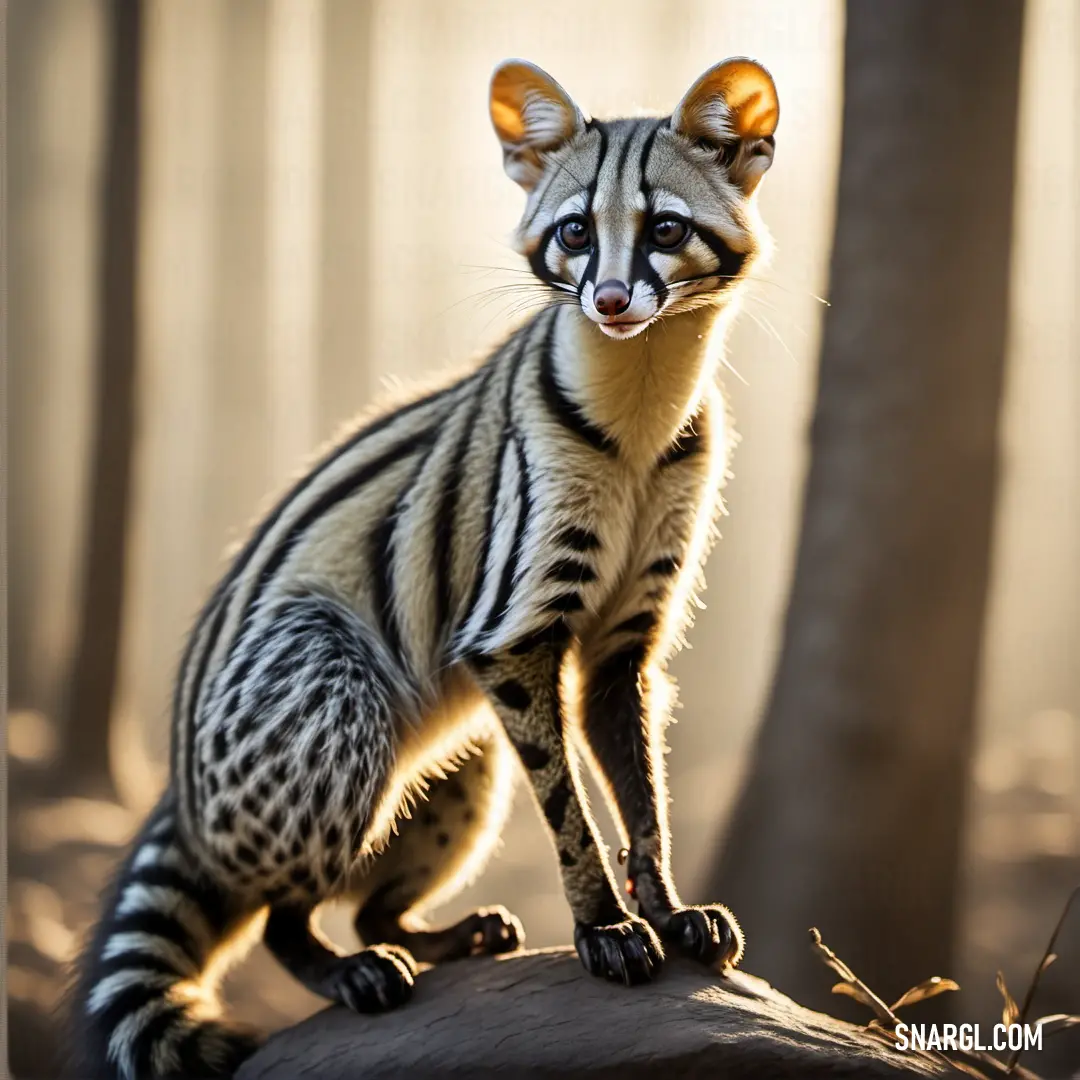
<point>92,684</point>
<point>851,816</point>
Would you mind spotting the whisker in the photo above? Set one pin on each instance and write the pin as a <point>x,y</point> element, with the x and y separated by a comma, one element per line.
<point>772,329</point>
<point>747,277</point>
<point>769,330</point>
<point>788,289</point>
<point>499,269</point>
<point>540,290</point>
<point>779,340</point>
<point>779,312</point>
<point>510,314</point>
<point>728,364</point>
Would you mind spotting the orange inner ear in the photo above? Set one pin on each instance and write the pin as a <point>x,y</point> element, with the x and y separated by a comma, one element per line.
<point>512,88</point>
<point>755,114</point>
<point>507,120</point>
<point>749,94</point>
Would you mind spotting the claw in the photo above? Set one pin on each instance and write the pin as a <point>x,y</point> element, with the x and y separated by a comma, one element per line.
<point>627,952</point>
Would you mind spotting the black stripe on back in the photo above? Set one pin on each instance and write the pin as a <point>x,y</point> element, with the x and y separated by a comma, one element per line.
<point>382,555</point>
<point>562,408</point>
<point>501,604</point>
<point>496,477</point>
<point>444,531</point>
<point>342,490</point>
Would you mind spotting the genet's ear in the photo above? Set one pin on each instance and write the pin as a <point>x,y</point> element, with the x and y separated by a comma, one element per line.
<point>733,106</point>
<point>532,114</point>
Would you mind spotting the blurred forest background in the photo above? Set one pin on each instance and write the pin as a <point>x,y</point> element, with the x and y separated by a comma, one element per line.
<point>230,223</point>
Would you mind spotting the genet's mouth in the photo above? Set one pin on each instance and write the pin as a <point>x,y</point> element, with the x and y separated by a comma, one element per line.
<point>617,329</point>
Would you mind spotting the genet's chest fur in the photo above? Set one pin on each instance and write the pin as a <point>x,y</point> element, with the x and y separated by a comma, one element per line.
<point>597,523</point>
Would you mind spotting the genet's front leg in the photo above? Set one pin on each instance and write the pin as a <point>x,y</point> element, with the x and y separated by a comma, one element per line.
<point>523,685</point>
<point>626,739</point>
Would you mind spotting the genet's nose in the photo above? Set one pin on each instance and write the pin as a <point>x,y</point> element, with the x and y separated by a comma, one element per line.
<point>611,298</point>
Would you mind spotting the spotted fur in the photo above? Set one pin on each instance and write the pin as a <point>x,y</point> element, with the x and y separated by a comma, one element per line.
<point>468,578</point>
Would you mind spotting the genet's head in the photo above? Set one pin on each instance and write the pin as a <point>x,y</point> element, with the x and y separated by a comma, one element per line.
<point>645,217</point>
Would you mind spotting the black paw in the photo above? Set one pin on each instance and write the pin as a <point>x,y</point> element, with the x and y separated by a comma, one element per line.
<point>373,980</point>
<point>708,934</point>
<point>627,952</point>
<point>493,930</point>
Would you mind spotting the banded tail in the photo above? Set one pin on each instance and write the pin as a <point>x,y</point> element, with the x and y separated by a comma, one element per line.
<point>144,1003</point>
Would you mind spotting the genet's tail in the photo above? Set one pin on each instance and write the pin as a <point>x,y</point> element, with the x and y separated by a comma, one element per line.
<point>144,1004</point>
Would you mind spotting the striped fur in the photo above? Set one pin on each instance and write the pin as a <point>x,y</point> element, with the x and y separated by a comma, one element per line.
<point>467,572</point>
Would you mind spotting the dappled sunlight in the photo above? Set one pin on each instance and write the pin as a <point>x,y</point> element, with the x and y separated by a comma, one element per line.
<point>31,737</point>
<point>140,775</point>
<point>66,821</point>
<point>25,984</point>
<point>36,914</point>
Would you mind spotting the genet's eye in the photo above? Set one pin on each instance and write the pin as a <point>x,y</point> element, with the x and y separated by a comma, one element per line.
<point>667,233</point>
<point>574,234</point>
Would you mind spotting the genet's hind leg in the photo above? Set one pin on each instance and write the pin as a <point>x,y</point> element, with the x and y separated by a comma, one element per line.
<point>371,980</point>
<point>295,753</point>
<point>437,851</point>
